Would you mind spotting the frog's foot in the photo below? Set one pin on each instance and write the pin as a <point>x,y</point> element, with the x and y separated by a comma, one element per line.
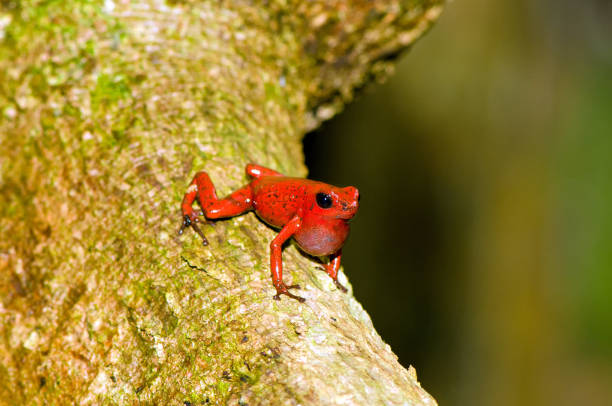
<point>190,220</point>
<point>338,284</point>
<point>283,289</point>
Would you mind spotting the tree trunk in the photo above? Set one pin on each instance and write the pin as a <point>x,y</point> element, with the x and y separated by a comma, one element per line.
<point>107,109</point>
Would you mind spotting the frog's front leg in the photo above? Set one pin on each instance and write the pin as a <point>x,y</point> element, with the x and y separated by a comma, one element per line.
<point>202,189</point>
<point>333,267</point>
<point>276,259</point>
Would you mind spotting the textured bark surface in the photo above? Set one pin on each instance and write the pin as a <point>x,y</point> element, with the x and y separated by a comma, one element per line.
<point>107,109</point>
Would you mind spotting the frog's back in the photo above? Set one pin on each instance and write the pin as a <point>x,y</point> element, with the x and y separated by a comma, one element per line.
<point>276,199</point>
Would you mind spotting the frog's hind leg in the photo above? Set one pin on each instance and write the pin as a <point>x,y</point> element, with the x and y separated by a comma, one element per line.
<point>202,189</point>
<point>257,171</point>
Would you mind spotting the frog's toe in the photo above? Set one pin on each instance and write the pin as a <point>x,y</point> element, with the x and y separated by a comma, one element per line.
<point>340,286</point>
<point>284,290</point>
<point>190,220</point>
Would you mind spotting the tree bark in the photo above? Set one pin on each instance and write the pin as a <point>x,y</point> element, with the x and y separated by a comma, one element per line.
<point>108,108</point>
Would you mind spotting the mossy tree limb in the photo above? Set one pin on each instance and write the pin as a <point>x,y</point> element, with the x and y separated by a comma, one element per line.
<point>107,110</point>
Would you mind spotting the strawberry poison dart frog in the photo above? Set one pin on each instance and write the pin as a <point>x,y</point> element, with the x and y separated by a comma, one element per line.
<point>315,214</point>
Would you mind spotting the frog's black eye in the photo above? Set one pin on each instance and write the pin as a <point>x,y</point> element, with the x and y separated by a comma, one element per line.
<point>324,200</point>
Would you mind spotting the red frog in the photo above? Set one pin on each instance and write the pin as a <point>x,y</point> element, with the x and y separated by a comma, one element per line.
<point>315,214</point>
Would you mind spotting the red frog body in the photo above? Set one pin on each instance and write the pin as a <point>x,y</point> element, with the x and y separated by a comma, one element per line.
<point>315,214</point>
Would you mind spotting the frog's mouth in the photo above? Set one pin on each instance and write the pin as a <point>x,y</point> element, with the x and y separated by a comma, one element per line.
<point>349,203</point>
<point>348,211</point>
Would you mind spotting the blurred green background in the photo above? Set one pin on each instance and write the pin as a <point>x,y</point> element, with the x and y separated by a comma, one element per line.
<point>483,246</point>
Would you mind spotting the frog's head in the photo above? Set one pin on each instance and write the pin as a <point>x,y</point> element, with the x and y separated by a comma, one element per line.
<point>335,202</point>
